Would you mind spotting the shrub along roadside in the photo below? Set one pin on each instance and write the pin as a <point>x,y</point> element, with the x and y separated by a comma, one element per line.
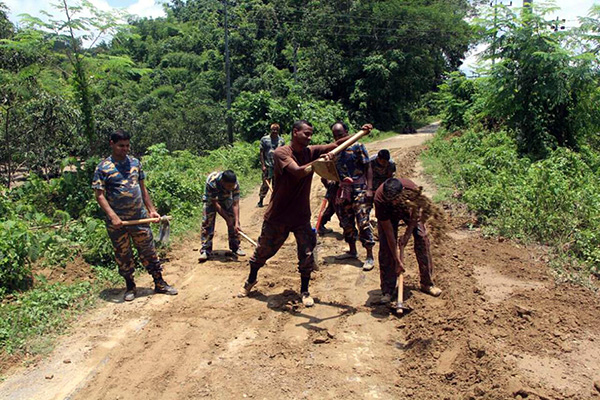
<point>553,201</point>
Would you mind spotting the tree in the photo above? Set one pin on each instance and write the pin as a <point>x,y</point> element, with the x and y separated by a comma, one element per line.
<point>538,86</point>
<point>94,23</point>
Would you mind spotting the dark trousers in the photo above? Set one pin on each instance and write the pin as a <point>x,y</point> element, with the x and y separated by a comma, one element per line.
<point>387,270</point>
<point>267,175</point>
<point>272,237</point>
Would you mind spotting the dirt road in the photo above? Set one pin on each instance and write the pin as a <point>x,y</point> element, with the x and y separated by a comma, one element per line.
<point>501,329</point>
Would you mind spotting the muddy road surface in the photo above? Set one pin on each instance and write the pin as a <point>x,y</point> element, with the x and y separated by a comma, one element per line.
<point>501,329</point>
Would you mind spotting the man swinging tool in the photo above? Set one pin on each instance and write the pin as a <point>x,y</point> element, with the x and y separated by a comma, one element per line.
<point>397,200</point>
<point>121,193</point>
<point>289,209</point>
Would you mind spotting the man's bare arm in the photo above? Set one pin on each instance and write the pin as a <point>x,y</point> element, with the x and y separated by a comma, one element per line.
<point>148,201</point>
<point>110,213</point>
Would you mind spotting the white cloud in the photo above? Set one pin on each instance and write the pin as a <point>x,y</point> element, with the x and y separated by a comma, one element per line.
<point>147,8</point>
<point>142,8</point>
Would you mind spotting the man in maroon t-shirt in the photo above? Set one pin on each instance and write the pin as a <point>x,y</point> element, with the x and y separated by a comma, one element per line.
<point>390,209</point>
<point>289,209</point>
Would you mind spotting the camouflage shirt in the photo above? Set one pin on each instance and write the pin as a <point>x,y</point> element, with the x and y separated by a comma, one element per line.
<point>215,191</point>
<point>381,173</point>
<point>121,184</point>
<point>353,162</point>
<point>268,146</point>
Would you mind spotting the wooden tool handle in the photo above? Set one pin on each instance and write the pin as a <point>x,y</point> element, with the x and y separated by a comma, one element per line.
<point>323,204</point>
<point>353,139</point>
<point>242,234</point>
<point>146,220</point>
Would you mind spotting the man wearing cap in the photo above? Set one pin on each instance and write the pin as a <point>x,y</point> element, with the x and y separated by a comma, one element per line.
<point>391,207</point>
<point>268,144</point>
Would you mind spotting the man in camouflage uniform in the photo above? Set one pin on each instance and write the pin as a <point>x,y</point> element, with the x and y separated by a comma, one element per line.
<point>268,144</point>
<point>354,198</point>
<point>121,193</point>
<point>221,196</point>
<point>383,168</point>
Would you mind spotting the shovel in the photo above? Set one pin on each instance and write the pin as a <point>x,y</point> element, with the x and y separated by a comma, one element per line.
<point>326,168</point>
<point>164,232</point>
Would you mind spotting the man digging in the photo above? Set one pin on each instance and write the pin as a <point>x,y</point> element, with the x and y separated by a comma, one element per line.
<point>289,209</point>
<point>221,196</point>
<point>397,200</point>
<point>121,193</point>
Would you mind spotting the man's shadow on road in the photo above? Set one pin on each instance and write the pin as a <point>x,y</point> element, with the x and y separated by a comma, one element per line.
<point>383,311</point>
<point>355,262</point>
<point>115,295</point>
<point>289,301</point>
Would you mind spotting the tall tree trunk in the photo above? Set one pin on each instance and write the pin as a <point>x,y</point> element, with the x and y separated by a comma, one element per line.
<point>8,154</point>
<point>81,84</point>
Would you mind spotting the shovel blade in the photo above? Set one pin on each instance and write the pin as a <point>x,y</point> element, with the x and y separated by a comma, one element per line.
<point>164,232</point>
<point>326,169</point>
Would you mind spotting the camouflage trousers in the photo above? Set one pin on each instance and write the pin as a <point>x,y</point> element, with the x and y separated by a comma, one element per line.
<point>272,237</point>
<point>355,212</point>
<point>267,175</point>
<point>208,226</point>
<point>144,243</point>
<point>330,196</point>
<point>387,271</point>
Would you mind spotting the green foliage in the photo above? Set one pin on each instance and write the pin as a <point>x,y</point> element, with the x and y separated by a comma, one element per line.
<point>176,180</point>
<point>552,201</point>
<point>39,312</point>
<point>455,99</point>
<point>539,88</point>
<point>255,112</point>
<point>15,273</point>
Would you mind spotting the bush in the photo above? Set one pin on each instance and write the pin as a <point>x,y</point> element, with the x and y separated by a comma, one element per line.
<point>15,241</point>
<point>552,201</point>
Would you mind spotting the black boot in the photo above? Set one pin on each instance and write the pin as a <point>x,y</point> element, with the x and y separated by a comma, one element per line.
<point>260,203</point>
<point>130,289</point>
<point>160,286</point>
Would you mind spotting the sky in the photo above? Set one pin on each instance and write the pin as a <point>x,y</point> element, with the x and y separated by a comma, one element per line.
<point>569,10</point>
